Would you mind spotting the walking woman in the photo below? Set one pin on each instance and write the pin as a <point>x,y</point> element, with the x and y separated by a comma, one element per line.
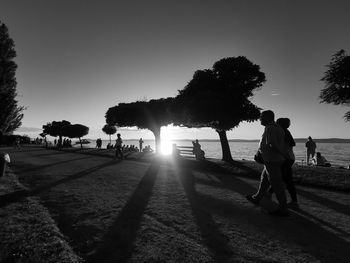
<point>287,171</point>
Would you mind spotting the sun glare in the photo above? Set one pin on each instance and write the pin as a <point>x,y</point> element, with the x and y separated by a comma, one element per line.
<point>166,146</point>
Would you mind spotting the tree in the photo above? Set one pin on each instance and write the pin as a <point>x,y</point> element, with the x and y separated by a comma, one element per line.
<point>10,113</point>
<point>75,131</point>
<point>110,130</point>
<point>219,98</point>
<point>54,129</point>
<point>337,79</point>
<point>150,115</point>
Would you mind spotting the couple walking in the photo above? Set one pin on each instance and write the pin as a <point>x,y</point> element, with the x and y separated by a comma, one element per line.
<point>276,149</point>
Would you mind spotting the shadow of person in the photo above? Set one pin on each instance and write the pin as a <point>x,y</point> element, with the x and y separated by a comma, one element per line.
<point>117,244</point>
<point>341,208</point>
<point>300,228</point>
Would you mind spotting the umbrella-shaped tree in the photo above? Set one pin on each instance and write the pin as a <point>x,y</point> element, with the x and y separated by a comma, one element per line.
<point>110,130</point>
<point>54,129</point>
<point>219,98</point>
<point>75,131</point>
<point>150,115</point>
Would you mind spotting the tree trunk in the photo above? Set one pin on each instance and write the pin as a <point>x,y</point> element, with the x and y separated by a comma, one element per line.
<point>81,145</point>
<point>156,132</point>
<point>110,141</point>
<point>225,147</point>
<point>60,142</point>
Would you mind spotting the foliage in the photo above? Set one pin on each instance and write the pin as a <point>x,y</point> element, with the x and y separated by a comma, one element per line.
<point>337,80</point>
<point>150,115</point>
<point>75,131</point>
<point>219,97</point>
<point>54,128</point>
<point>10,113</point>
<point>108,129</point>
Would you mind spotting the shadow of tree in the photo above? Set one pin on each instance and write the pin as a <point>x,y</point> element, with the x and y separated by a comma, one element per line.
<point>215,241</point>
<point>36,168</point>
<point>117,244</point>
<point>18,195</point>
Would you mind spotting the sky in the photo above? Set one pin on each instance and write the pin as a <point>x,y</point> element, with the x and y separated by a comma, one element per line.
<point>78,58</point>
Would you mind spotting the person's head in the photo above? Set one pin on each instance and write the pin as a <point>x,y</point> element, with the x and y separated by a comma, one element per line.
<point>283,122</point>
<point>318,154</point>
<point>196,141</point>
<point>267,117</point>
<point>310,139</point>
<point>118,135</point>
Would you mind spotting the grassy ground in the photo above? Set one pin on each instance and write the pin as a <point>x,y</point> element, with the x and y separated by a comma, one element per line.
<point>28,233</point>
<point>144,211</point>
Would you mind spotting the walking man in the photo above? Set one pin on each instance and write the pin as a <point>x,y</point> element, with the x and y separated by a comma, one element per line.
<point>272,148</point>
<point>310,150</point>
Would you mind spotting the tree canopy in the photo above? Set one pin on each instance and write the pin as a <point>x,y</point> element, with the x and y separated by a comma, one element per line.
<point>54,129</point>
<point>110,130</point>
<point>150,115</point>
<point>219,97</point>
<point>10,113</point>
<point>75,131</point>
<point>337,80</point>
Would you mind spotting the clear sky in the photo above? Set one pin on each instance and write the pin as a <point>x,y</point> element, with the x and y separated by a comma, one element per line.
<point>78,58</point>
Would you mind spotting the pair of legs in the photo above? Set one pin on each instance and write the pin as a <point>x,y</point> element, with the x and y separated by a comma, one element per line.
<point>308,153</point>
<point>272,176</point>
<point>287,176</point>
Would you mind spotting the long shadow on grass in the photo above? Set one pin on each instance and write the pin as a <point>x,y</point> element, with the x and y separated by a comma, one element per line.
<point>213,238</point>
<point>341,208</point>
<point>36,168</point>
<point>18,195</point>
<point>117,244</point>
<point>323,245</point>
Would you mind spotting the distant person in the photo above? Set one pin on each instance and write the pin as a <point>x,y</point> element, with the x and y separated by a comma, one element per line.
<point>310,149</point>
<point>55,142</point>
<point>320,160</point>
<point>141,143</point>
<point>118,147</point>
<point>18,143</point>
<point>272,148</point>
<point>287,171</point>
<point>197,151</point>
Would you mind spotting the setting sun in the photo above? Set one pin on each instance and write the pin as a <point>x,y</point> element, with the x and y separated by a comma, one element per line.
<point>166,141</point>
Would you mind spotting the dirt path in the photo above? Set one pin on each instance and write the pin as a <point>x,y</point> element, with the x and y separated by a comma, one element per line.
<point>119,211</point>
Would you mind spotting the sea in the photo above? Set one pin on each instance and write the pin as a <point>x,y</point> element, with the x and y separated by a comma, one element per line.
<point>338,154</point>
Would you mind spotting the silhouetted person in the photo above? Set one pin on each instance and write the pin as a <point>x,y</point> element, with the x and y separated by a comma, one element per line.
<point>287,171</point>
<point>140,144</point>
<point>197,151</point>
<point>310,149</point>
<point>18,143</point>
<point>272,148</point>
<point>118,147</point>
<point>320,160</point>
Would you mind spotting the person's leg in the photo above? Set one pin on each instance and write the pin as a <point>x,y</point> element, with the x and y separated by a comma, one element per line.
<point>274,174</point>
<point>307,157</point>
<point>287,175</point>
<point>263,186</point>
